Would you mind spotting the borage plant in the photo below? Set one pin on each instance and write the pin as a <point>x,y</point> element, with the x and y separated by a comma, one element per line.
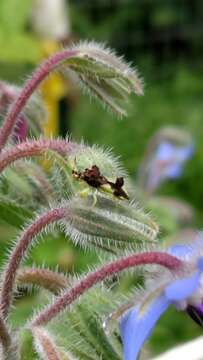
<point>87,194</point>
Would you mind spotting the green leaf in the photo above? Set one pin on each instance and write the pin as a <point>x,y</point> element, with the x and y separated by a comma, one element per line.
<point>26,345</point>
<point>86,337</point>
<point>12,212</point>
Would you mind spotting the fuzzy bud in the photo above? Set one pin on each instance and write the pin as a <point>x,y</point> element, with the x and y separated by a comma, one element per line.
<point>70,174</point>
<point>104,75</point>
<point>100,212</point>
<point>100,220</point>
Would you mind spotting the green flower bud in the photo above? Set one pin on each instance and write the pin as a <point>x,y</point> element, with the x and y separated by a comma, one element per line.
<point>104,74</point>
<point>99,220</point>
<point>85,158</point>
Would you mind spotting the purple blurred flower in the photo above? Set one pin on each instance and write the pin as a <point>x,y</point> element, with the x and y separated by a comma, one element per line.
<point>168,162</point>
<point>165,156</point>
<point>183,291</point>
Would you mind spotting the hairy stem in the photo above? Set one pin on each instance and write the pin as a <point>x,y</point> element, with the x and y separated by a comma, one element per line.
<point>32,83</point>
<point>33,148</point>
<point>48,279</point>
<point>45,344</point>
<point>105,271</point>
<point>5,338</point>
<point>19,252</point>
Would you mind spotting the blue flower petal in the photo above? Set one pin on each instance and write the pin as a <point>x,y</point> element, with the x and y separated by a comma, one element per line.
<point>136,326</point>
<point>174,157</point>
<point>185,152</point>
<point>181,289</point>
<point>180,250</point>
<point>200,264</point>
<point>173,171</point>
<point>164,151</point>
<point>183,250</point>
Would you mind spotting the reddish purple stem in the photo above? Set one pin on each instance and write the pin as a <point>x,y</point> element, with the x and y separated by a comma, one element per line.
<point>38,76</point>
<point>163,259</point>
<point>21,129</point>
<point>47,345</point>
<point>19,252</point>
<point>33,148</point>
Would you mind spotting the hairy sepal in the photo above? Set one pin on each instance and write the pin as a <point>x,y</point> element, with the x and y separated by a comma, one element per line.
<point>85,156</point>
<point>104,74</point>
<point>104,221</point>
<point>96,59</point>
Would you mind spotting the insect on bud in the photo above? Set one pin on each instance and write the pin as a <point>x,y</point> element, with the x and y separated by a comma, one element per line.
<point>100,213</point>
<point>96,169</point>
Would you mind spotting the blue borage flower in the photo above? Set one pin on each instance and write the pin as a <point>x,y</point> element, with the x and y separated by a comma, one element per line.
<point>168,162</point>
<point>183,290</point>
<point>165,156</point>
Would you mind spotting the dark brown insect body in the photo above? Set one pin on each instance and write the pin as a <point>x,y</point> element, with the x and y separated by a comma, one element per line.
<point>94,178</point>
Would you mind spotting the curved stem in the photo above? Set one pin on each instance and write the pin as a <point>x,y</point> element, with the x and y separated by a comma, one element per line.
<point>45,345</point>
<point>105,271</point>
<point>47,279</point>
<point>5,338</point>
<point>37,77</point>
<point>19,252</point>
<point>33,148</point>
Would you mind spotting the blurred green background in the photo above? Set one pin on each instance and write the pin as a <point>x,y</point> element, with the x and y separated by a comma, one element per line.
<point>164,40</point>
